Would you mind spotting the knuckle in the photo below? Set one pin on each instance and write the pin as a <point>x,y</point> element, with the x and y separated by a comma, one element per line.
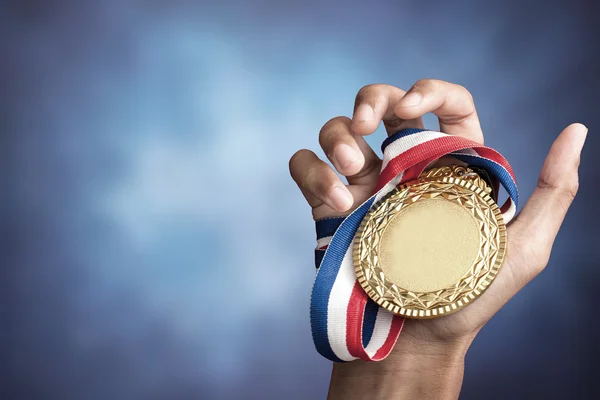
<point>465,94</point>
<point>340,120</point>
<point>310,173</point>
<point>298,155</point>
<point>369,91</point>
<point>571,189</point>
<point>547,183</point>
<point>331,127</point>
<point>316,182</point>
<point>296,159</point>
<point>566,188</point>
<point>309,177</point>
<point>427,83</point>
<point>462,99</point>
<point>467,100</point>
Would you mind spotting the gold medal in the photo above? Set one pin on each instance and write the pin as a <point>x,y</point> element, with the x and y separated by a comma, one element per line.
<point>431,246</point>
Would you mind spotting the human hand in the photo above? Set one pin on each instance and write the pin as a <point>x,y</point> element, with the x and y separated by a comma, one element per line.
<point>438,344</point>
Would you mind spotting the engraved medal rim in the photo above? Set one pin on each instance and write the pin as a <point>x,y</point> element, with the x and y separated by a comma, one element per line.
<point>464,296</point>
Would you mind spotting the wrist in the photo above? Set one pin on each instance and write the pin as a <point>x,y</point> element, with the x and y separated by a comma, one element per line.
<point>415,369</point>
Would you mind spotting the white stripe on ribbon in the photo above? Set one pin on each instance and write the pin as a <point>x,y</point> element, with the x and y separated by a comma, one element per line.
<point>406,143</point>
<point>383,324</point>
<point>510,213</point>
<point>337,308</point>
<point>324,241</point>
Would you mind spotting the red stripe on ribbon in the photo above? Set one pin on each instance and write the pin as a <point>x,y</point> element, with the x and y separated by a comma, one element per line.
<point>359,298</point>
<point>432,149</point>
<point>435,149</point>
<point>354,322</point>
<point>395,329</point>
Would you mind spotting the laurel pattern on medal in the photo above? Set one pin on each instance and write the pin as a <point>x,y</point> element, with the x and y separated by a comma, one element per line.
<point>468,193</point>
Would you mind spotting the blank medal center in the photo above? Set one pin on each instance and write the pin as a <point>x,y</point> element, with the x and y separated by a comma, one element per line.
<point>429,245</point>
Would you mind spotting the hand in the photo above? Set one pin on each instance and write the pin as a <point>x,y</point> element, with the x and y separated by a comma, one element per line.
<point>440,343</point>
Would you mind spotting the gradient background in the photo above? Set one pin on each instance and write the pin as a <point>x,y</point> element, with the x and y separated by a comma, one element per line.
<point>154,246</point>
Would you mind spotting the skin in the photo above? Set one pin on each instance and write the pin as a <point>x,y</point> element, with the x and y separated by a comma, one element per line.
<point>428,359</point>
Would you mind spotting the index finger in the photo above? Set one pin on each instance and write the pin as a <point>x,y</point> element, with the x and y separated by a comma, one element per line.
<point>376,103</point>
<point>451,103</point>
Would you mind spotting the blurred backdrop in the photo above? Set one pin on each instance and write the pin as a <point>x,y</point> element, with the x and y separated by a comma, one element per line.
<point>154,246</point>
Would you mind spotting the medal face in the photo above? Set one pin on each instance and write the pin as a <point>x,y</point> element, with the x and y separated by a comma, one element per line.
<point>431,246</point>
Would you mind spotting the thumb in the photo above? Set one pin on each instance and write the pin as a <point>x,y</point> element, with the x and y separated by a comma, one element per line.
<point>535,228</point>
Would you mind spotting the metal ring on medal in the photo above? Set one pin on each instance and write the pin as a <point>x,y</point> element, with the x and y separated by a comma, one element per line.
<point>431,246</point>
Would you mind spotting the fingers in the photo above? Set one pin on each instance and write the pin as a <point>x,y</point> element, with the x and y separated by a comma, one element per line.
<point>350,154</point>
<point>533,232</point>
<point>453,104</point>
<point>376,103</point>
<point>318,182</point>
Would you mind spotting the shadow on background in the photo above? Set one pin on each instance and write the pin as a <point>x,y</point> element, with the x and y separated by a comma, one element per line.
<point>154,244</point>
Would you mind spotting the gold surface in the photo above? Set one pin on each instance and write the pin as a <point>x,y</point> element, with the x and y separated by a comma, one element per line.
<point>435,240</point>
<point>431,246</point>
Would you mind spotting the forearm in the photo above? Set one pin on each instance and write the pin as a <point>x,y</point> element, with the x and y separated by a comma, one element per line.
<point>410,372</point>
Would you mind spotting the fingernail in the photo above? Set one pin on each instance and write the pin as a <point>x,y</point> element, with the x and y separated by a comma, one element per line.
<point>411,99</point>
<point>340,198</point>
<point>345,155</point>
<point>364,112</point>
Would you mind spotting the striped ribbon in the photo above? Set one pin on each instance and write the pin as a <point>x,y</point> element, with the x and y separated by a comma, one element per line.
<point>346,324</point>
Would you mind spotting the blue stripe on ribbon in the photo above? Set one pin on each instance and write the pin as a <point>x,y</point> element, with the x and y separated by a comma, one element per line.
<point>319,254</point>
<point>327,226</point>
<point>326,275</point>
<point>369,321</point>
<point>495,169</point>
<point>404,132</point>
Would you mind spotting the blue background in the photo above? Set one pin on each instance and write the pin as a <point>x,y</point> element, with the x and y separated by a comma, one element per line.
<point>154,246</point>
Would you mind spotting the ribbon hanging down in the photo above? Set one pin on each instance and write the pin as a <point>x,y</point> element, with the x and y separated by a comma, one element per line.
<point>346,324</point>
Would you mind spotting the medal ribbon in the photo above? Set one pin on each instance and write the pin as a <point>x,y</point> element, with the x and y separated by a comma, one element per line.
<point>346,324</point>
